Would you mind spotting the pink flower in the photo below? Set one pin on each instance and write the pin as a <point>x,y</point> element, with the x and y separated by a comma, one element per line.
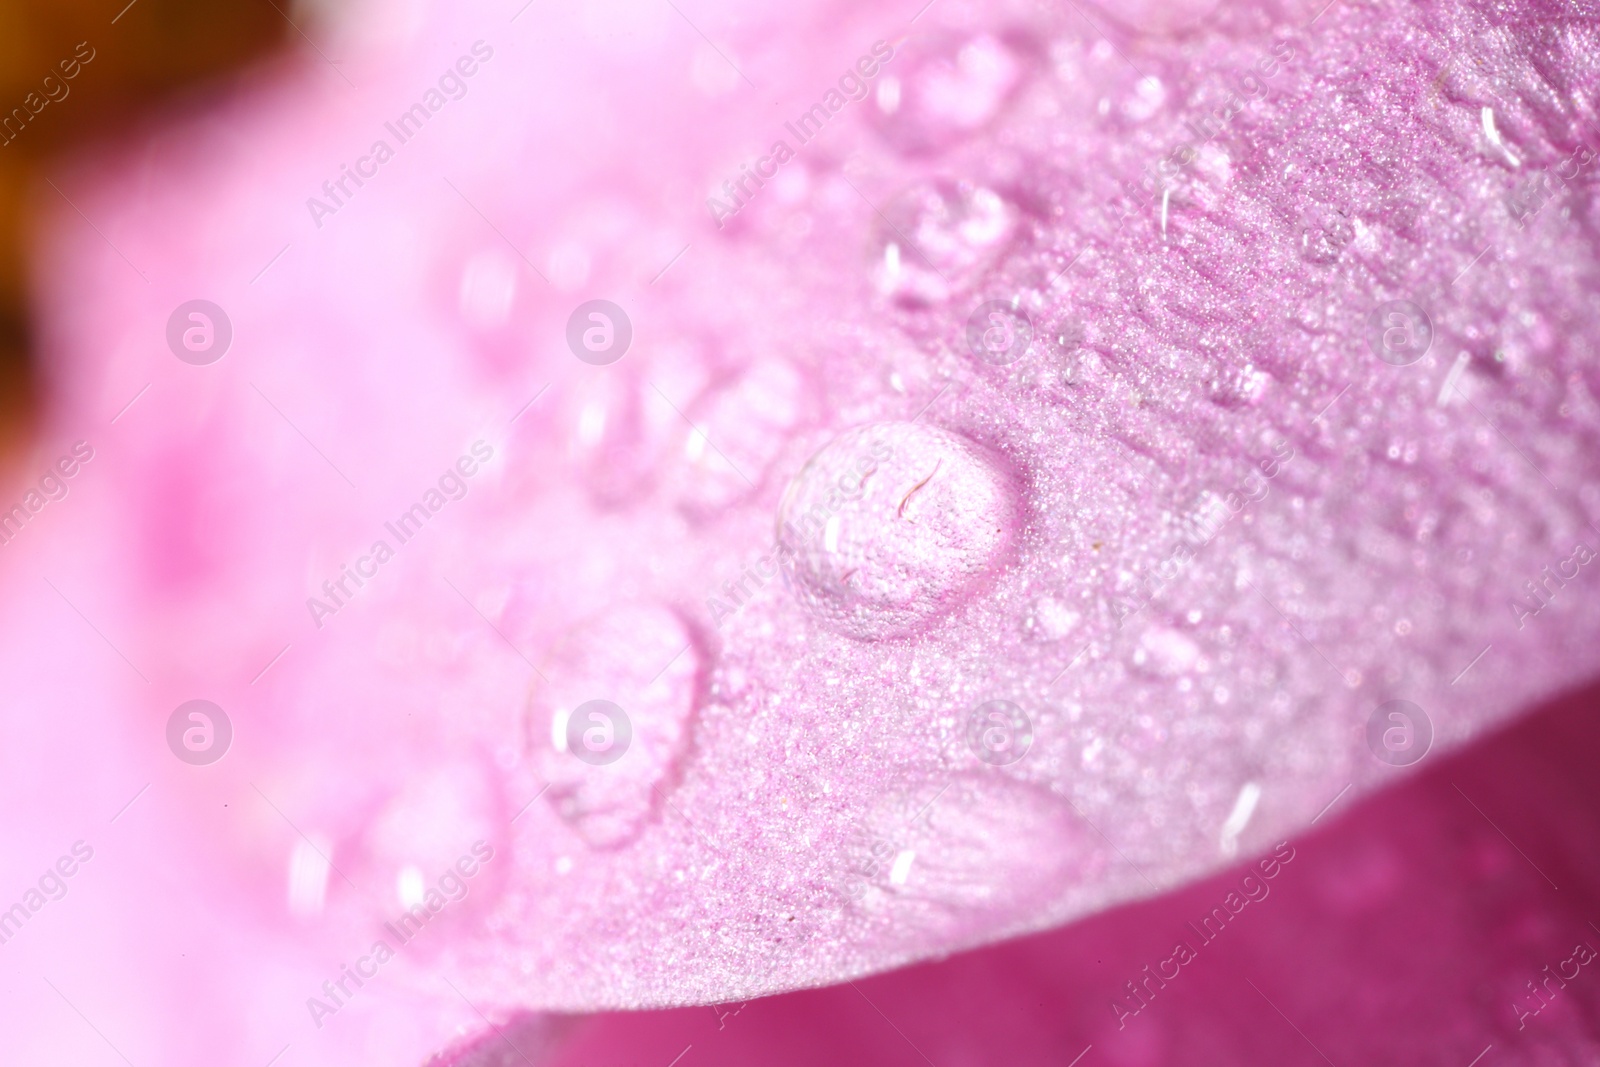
<point>668,507</point>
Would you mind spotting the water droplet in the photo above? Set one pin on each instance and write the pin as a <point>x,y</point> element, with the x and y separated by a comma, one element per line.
<point>936,238</point>
<point>945,91</point>
<point>740,427</point>
<point>1166,652</point>
<point>987,847</point>
<point>1148,96</point>
<point>615,435</point>
<point>488,289</point>
<point>643,658</point>
<point>426,827</point>
<point>1050,620</point>
<point>893,525</point>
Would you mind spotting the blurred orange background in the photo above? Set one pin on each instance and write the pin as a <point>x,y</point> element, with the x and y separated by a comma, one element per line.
<point>141,53</point>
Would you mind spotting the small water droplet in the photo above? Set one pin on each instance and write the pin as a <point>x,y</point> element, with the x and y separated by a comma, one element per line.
<point>919,517</point>
<point>1148,96</point>
<point>944,91</point>
<point>1166,652</point>
<point>615,434</point>
<point>937,237</point>
<point>1050,620</point>
<point>643,659</point>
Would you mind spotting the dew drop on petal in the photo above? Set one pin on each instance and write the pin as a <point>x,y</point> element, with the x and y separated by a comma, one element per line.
<point>986,845</point>
<point>935,94</point>
<point>428,824</point>
<point>642,658</point>
<point>615,434</point>
<point>738,429</point>
<point>936,238</point>
<point>891,526</point>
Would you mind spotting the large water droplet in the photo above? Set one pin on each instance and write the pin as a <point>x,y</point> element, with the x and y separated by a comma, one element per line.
<point>936,238</point>
<point>934,94</point>
<point>643,660</point>
<point>893,525</point>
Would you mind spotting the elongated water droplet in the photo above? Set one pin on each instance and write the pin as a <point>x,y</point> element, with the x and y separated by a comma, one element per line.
<point>941,861</point>
<point>416,845</point>
<point>607,728</point>
<point>738,429</point>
